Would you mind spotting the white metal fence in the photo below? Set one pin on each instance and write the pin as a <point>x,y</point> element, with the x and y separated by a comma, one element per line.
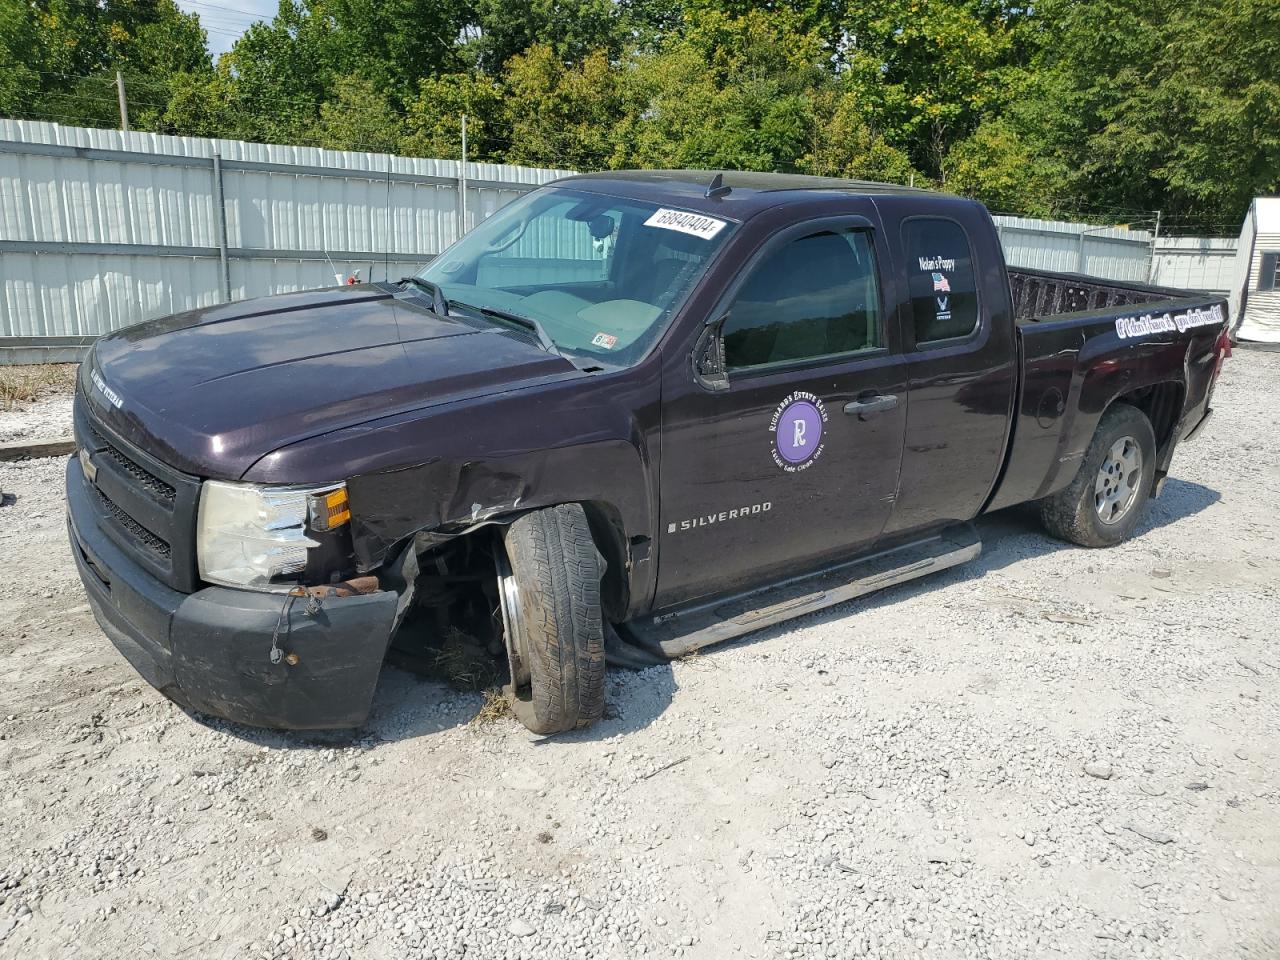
<point>1115,253</point>
<point>101,228</point>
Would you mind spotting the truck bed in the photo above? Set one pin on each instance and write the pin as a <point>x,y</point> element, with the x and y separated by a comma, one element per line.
<point>1041,294</point>
<point>1081,343</point>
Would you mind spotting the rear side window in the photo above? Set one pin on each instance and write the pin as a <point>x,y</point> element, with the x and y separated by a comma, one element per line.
<point>816,296</point>
<point>940,279</point>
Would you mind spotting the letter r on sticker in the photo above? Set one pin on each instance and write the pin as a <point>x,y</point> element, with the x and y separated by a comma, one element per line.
<point>799,426</point>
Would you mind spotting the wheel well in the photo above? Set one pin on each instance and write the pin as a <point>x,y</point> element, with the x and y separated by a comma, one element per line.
<point>607,531</point>
<point>1162,404</point>
<point>611,540</point>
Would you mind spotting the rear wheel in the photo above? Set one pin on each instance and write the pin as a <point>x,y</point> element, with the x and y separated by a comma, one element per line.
<point>549,576</point>
<point>1104,503</point>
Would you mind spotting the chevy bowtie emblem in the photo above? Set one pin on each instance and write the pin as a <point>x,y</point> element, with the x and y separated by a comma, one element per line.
<point>90,468</point>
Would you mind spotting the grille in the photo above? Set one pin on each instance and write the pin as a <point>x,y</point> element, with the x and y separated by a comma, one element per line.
<point>148,540</point>
<point>142,504</point>
<point>161,490</point>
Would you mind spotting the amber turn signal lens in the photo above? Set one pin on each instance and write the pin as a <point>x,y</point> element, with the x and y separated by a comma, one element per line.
<point>329,510</point>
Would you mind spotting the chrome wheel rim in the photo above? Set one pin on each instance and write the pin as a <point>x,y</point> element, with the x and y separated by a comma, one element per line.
<point>512,624</point>
<point>1119,477</point>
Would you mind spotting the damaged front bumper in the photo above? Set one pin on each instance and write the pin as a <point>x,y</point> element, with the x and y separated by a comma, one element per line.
<point>211,650</point>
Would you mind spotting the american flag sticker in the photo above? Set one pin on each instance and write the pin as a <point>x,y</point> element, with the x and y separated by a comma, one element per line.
<point>941,284</point>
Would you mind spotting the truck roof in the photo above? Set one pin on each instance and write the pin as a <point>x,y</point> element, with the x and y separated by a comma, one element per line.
<point>750,192</point>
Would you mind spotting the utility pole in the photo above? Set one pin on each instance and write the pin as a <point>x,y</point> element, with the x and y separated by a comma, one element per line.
<point>462,178</point>
<point>124,103</point>
<point>1155,238</point>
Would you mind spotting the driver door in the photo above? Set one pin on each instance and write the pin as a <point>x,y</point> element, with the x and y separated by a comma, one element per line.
<point>792,460</point>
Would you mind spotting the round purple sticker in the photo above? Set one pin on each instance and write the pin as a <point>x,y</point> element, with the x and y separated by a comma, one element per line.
<point>797,426</point>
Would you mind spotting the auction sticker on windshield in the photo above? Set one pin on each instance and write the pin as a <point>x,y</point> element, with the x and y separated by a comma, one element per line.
<point>694,224</point>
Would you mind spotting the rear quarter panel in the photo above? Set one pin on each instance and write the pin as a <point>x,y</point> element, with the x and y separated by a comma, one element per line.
<point>1076,366</point>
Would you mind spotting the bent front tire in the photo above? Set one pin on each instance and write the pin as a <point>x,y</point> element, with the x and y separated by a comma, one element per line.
<point>1104,503</point>
<point>549,574</point>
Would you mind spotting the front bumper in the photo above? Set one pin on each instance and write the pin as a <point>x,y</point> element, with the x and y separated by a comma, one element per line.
<point>211,650</point>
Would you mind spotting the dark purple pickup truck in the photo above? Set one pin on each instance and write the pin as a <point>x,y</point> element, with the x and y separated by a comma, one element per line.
<point>629,415</point>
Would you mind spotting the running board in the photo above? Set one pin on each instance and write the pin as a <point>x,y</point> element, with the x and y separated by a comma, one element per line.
<point>675,634</point>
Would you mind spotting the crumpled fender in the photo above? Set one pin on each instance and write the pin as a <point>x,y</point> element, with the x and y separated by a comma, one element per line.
<point>440,499</point>
<point>437,496</point>
<point>434,472</point>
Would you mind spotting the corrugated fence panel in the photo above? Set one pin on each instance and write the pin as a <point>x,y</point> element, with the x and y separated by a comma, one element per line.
<point>73,201</point>
<point>1196,263</point>
<point>85,295</point>
<point>1109,252</point>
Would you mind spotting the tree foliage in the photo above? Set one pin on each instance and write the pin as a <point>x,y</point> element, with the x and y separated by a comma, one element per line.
<point>58,58</point>
<point>1111,107</point>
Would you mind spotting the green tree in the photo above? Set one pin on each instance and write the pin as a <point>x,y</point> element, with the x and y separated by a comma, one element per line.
<point>203,104</point>
<point>996,165</point>
<point>843,143</point>
<point>731,93</point>
<point>433,121</point>
<point>358,116</point>
<point>928,71</point>
<point>570,29</point>
<point>285,69</point>
<point>825,18</point>
<point>58,58</point>
<point>561,116</point>
<point>1168,105</point>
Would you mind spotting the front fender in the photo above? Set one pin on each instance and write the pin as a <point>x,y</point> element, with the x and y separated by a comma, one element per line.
<point>447,468</point>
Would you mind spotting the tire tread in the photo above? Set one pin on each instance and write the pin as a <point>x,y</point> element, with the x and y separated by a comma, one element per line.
<point>558,570</point>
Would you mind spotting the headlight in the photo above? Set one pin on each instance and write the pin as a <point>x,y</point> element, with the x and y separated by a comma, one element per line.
<point>255,536</point>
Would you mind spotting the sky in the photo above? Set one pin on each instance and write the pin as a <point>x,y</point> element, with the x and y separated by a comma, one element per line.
<point>225,20</point>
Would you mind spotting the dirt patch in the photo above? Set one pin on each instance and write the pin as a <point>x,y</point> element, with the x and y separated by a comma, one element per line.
<point>24,383</point>
<point>35,403</point>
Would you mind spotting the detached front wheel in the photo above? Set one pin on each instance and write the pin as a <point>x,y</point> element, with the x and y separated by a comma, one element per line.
<point>549,574</point>
<point>1103,504</point>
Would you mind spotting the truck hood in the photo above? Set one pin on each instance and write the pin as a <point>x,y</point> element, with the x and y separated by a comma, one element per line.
<point>213,390</point>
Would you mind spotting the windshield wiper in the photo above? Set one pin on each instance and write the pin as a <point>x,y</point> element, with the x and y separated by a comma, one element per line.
<point>520,320</point>
<point>438,303</point>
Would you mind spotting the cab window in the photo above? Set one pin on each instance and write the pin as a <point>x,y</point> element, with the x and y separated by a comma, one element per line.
<point>940,279</point>
<point>813,297</point>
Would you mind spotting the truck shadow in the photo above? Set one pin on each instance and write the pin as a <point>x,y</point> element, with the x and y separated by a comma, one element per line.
<point>407,705</point>
<point>1008,536</point>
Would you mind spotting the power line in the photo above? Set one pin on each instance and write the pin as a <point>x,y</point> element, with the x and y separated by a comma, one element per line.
<point>239,11</point>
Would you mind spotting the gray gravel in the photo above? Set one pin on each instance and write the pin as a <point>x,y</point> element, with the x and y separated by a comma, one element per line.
<point>1052,752</point>
<point>37,421</point>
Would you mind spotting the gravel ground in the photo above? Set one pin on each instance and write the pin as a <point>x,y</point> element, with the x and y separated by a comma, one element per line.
<point>37,421</point>
<point>1051,752</point>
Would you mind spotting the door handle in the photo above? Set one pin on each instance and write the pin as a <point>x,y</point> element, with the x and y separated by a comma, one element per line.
<point>874,404</point>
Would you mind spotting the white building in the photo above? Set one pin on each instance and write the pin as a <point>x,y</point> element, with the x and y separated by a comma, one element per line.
<point>1255,290</point>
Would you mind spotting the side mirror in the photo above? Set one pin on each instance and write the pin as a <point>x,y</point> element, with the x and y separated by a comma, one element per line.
<point>708,357</point>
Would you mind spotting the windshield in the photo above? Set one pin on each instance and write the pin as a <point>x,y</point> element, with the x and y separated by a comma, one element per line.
<point>600,275</point>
